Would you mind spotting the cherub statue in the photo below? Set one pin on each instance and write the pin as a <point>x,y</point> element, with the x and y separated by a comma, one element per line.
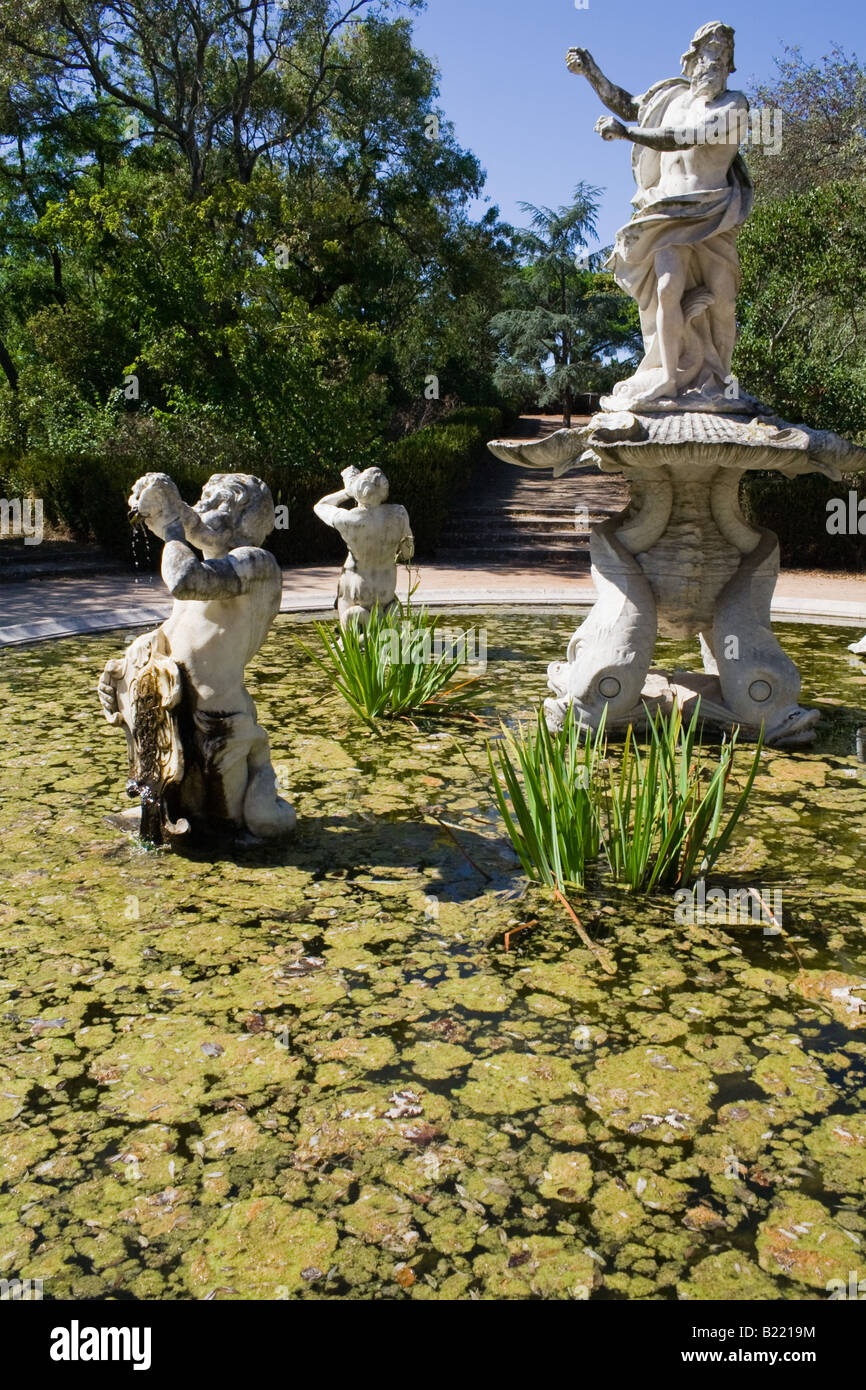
<point>677,256</point>
<point>198,756</point>
<point>378,537</point>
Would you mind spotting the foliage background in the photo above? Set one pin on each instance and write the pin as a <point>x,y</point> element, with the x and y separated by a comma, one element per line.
<point>802,346</point>
<point>259,212</point>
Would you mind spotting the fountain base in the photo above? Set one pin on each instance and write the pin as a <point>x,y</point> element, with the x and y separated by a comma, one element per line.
<point>682,561</point>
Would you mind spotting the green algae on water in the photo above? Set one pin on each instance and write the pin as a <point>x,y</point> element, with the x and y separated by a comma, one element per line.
<point>314,1073</point>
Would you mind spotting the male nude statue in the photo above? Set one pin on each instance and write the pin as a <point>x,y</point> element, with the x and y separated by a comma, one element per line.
<point>677,256</point>
<point>377,537</point>
<point>225,599</point>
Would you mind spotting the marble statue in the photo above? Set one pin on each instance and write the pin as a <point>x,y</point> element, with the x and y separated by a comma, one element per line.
<point>378,537</point>
<point>682,561</point>
<point>677,256</point>
<point>199,759</point>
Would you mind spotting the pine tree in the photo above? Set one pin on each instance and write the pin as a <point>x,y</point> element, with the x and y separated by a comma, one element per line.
<point>566,318</point>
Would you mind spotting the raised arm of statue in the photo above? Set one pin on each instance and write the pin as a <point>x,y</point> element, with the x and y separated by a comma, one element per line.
<point>156,502</point>
<point>332,508</point>
<point>188,577</point>
<point>725,125</point>
<point>617,99</point>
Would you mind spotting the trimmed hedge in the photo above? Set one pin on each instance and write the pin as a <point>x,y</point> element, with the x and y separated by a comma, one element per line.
<point>88,494</point>
<point>428,468</point>
<point>796,509</point>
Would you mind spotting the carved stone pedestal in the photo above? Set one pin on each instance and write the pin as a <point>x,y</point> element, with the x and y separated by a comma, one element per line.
<point>682,561</point>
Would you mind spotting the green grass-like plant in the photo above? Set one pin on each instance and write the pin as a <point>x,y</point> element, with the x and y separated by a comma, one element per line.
<point>657,817</point>
<point>662,814</point>
<point>388,669</point>
<point>548,779</point>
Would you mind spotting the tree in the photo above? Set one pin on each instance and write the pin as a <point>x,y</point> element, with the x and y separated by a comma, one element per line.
<point>283,249</point>
<point>800,308</point>
<point>802,329</point>
<point>564,320</point>
<point>803,251</point>
<point>822,108</point>
<point>224,82</point>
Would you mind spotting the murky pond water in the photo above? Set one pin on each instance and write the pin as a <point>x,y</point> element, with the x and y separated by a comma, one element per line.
<point>316,1072</point>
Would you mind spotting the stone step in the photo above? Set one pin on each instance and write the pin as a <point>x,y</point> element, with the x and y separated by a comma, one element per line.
<point>489,515</point>
<point>536,554</point>
<point>524,514</point>
<point>531,531</point>
<point>538,534</point>
<point>562,521</point>
<point>544,499</point>
<point>561,526</point>
<point>512,516</point>
<point>562,540</point>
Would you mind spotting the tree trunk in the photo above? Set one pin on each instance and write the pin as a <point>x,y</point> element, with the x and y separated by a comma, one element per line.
<point>8,366</point>
<point>566,355</point>
<point>57,269</point>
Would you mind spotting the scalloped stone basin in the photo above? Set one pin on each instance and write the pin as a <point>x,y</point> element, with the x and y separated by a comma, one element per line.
<point>316,1072</point>
<point>682,561</point>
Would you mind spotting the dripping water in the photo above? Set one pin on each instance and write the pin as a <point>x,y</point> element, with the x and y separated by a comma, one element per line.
<point>140,545</point>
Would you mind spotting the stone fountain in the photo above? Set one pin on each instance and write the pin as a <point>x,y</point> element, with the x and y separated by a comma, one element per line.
<point>199,762</point>
<point>681,560</point>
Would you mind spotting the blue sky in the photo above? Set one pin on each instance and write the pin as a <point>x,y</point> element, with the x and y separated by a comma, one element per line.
<point>505,86</point>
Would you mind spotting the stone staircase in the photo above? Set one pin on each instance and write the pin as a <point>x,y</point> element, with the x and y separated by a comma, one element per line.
<point>515,518</point>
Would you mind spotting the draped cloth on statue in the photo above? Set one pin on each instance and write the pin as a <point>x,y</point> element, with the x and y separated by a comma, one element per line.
<point>704,223</point>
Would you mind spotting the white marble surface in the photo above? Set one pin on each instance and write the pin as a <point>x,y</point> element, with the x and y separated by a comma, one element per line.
<point>378,536</point>
<point>677,257</point>
<point>197,752</point>
<point>682,561</point>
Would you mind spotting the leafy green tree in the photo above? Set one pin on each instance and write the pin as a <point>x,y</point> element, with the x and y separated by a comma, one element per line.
<point>186,304</point>
<point>564,320</point>
<point>802,340</point>
<point>800,312</point>
<point>822,107</point>
<point>256,210</point>
<point>376,225</point>
<point>225,83</point>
